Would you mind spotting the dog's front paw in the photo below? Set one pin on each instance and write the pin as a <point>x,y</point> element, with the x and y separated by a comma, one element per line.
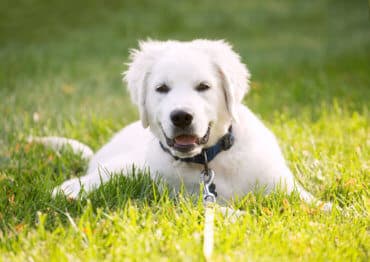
<point>70,188</point>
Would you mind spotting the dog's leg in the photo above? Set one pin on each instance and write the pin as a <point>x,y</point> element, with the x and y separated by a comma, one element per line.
<point>120,164</point>
<point>308,198</point>
<point>81,186</point>
<point>73,187</point>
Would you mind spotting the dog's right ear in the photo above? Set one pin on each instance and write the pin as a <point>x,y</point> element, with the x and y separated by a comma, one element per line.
<point>139,67</point>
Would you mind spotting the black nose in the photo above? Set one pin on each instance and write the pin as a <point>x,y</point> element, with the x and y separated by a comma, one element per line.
<point>181,118</point>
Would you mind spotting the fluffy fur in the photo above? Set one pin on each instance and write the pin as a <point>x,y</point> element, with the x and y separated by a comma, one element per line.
<point>255,157</point>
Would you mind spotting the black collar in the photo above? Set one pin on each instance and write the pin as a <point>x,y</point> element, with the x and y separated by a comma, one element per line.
<point>207,154</point>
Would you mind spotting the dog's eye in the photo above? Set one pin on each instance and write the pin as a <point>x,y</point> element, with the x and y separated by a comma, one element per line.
<point>162,89</point>
<point>202,87</point>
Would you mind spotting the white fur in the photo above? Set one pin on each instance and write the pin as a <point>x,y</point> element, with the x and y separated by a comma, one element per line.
<point>57,143</point>
<point>255,157</point>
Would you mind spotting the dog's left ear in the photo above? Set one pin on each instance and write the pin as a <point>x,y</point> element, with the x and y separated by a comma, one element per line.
<point>139,67</point>
<point>233,73</point>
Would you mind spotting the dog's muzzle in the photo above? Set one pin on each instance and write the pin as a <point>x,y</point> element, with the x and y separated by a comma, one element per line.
<point>187,142</point>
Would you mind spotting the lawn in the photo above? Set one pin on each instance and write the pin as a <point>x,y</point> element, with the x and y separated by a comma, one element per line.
<point>60,74</point>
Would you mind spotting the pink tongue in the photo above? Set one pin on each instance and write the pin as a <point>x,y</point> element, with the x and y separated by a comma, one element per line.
<point>185,140</point>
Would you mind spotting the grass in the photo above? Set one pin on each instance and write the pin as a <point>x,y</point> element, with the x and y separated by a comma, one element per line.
<point>60,75</point>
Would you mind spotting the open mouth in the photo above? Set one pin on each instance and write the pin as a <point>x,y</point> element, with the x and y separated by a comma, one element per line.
<point>187,142</point>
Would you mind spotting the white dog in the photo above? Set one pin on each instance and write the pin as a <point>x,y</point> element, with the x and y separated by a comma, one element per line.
<point>189,97</point>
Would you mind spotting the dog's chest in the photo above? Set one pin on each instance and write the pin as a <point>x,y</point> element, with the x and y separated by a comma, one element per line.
<point>178,174</point>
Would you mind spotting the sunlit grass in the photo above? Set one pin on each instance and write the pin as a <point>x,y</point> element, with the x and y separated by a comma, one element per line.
<point>60,74</point>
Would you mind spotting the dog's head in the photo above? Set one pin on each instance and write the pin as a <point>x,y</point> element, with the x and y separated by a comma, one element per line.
<point>187,92</point>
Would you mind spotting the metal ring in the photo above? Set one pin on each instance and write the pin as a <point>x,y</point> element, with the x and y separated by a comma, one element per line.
<point>209,198</point>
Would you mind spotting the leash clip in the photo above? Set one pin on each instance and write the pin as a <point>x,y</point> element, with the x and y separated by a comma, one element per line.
<point>207,177</point>
<point>209,199</point>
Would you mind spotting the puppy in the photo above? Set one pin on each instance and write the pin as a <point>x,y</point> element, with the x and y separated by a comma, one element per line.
<point>189,96</point>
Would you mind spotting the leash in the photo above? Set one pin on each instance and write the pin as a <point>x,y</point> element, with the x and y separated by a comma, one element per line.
<point>209,200</point>
<point>209,188</point>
